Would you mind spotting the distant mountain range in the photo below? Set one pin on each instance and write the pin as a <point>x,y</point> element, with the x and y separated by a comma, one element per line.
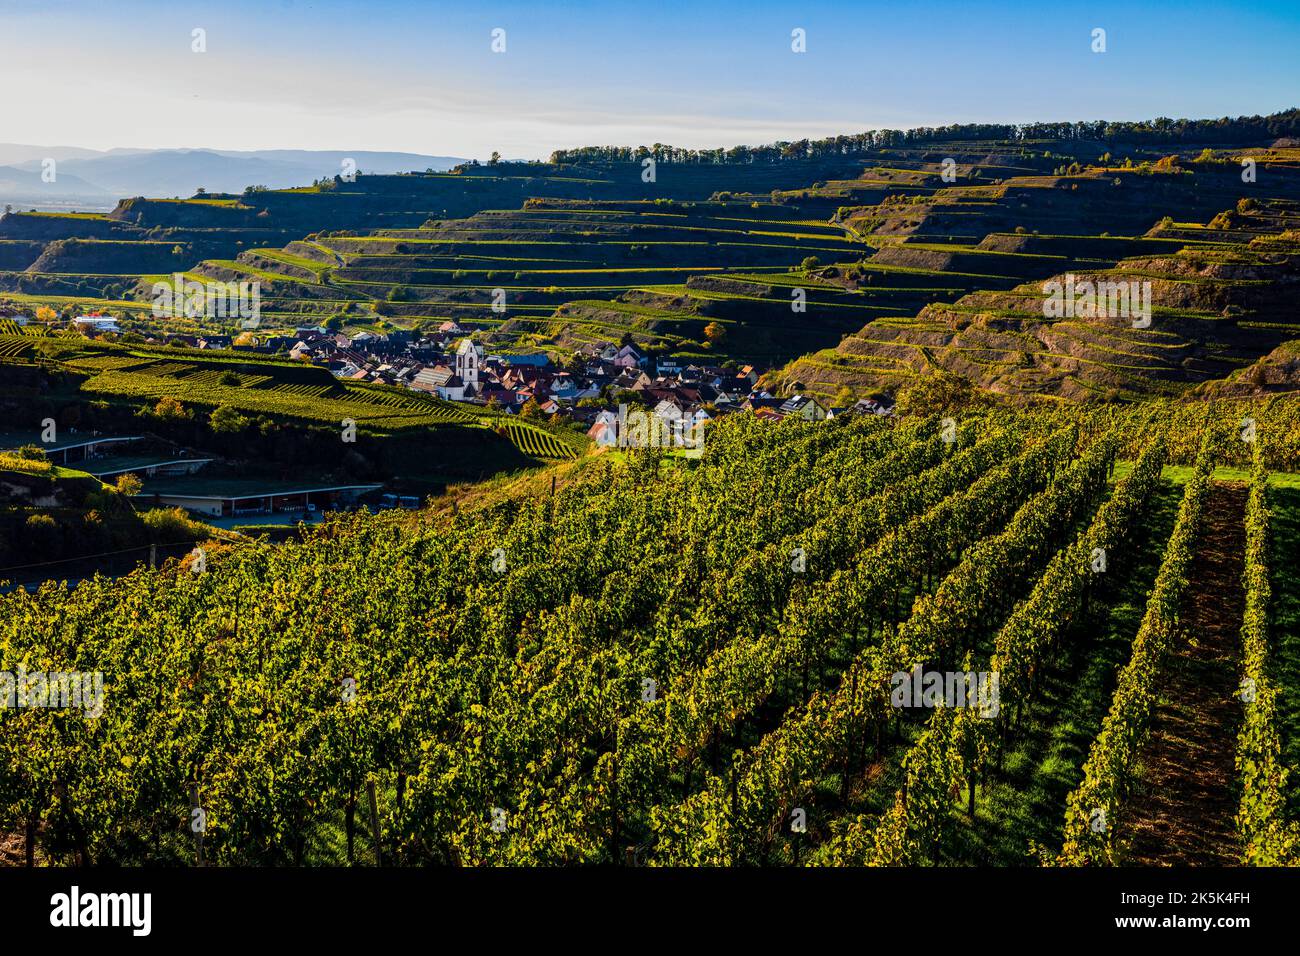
<point>98,179</point>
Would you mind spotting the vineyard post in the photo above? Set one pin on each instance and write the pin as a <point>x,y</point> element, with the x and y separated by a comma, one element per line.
<point>153,555</point>
<point>350,822</point>
<point>70,816</point>
<point>1002,742</point>
<point>374,821</point>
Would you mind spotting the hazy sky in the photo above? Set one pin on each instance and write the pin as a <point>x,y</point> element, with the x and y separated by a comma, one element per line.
<point>388,75</point>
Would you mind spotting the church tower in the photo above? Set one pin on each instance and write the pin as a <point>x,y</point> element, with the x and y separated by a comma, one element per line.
<point>468,357</point>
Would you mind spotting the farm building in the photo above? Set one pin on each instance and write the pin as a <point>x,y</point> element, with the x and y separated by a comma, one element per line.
<point>233,497</point>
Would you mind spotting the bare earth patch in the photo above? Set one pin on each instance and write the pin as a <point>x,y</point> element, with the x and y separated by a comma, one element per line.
<point>1181,810</point>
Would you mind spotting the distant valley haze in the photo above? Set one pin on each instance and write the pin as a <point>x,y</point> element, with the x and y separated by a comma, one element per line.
<point>420,83</point>
<point>91,180</point>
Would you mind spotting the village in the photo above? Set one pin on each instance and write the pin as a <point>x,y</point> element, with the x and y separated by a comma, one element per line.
<point>585,392</point>
<point>615,394</point>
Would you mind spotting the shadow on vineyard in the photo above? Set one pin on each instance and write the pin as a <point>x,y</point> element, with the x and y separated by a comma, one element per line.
<point>1021,802</point>
<point>1184,799</point>
<point>1285,558</point>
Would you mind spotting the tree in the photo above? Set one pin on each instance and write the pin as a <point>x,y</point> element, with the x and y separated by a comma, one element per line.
<point>532,411</point>
<point>46,314</point>
<point>225,420</point>
<point>44,537</point>
<point>169,409</point>
<point>715,333</point>
<point>496,158</point>
<point>812,262</point>
<point>129,485</point>
<point>937,394</point>
<point>33,453</point>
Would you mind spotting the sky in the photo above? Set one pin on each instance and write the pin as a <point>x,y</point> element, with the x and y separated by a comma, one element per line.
<point>423,77</point>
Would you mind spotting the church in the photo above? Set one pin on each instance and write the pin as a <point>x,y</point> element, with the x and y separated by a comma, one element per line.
<point>459,383</point>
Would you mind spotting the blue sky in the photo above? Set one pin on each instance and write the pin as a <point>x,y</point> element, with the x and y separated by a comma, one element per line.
<point>422,77</point>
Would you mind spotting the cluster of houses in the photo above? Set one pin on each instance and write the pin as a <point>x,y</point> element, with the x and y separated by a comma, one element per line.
<point>587,390</point>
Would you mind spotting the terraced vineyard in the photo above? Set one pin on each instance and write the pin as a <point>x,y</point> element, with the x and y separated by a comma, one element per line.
<point>675,662</point>
<point>537,443</point>
<point>661,270</point>
<point>571,273</point>
<point>855,271</point>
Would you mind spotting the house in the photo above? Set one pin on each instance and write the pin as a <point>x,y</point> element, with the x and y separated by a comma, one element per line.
<point>727,394</point>
<point>95,324</point>
<point>604,431</point>
<point>739,385</point>
<point>868,406</point>
<point>504,397</point>
<point>628,357</point>
<point>801,406</point>
<point>683,420</point>
<point>277,343</point>
<point>439,380</point>
<point>632,380</point>
<point>765,403</point>
<point>564,387</point>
